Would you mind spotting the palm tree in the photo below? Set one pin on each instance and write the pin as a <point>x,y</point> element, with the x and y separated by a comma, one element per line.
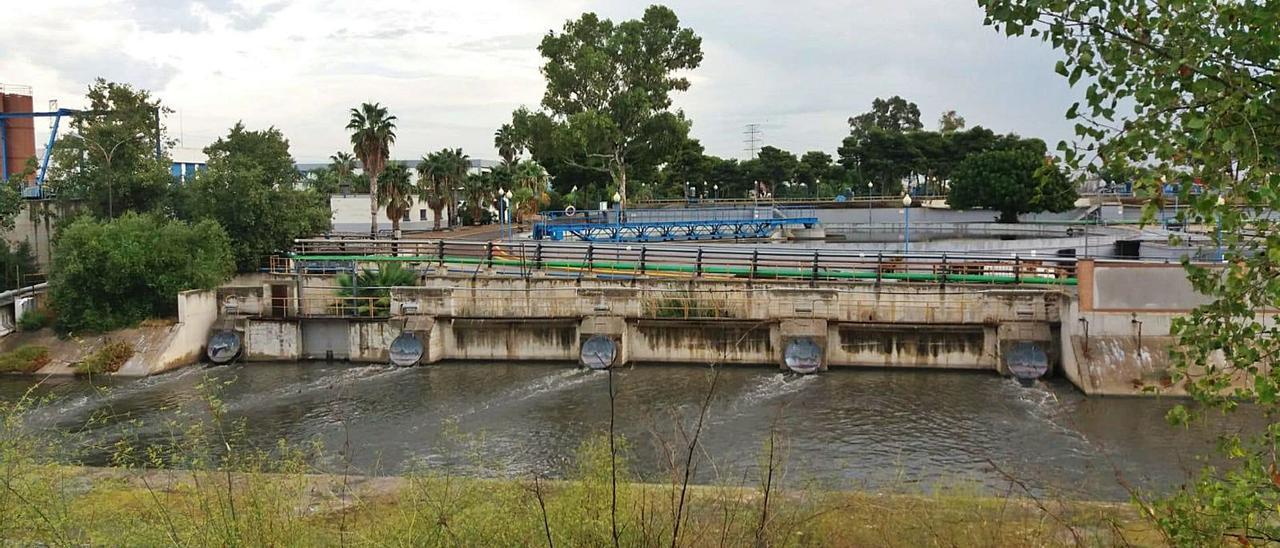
<point>455,166</point>
<point>394,192</point>
<point>373,131</point>
<point>432,183</point>
<point>508,144</point>
<point>369,292</point>
<point>477,191</point>
<point>532,180</point>
<point>343,164</point>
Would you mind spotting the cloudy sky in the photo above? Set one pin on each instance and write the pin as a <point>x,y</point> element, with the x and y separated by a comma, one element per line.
<point>453,71</point>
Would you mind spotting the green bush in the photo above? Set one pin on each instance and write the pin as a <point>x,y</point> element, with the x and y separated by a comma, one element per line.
<point>17,266</point>
<point>107,359</point>
<point>113,274</point>
<point>26,359</point>
<point>35,320</point>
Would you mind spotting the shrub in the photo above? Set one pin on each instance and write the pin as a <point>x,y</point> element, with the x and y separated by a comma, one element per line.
<point>113,274</point>
<point>35,320</point>
<point>27,359</point>
<point>18,266</point>
<point>372,288</point>
<point>107,359</point>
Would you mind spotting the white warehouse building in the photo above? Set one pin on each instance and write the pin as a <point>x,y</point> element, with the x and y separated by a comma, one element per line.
<point>350,213</point>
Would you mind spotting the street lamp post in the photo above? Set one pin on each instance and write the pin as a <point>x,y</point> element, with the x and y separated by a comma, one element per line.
<point>617,199</point>
<point>906,225</point>
<point>717,191</point>
<point>1221,202</point>
<point>869,186</point>
<point>511,229</point>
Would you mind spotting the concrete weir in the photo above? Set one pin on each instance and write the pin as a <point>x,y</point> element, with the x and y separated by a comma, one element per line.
<point>1103,334</point>
<point>602,323</point>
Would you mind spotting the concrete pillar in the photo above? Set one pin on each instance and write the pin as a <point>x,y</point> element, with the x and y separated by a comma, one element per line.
<point>424,328</point>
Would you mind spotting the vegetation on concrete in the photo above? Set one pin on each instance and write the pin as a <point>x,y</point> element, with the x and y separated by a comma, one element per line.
<point>369,292</point>
<point>109,358</point>
<point>1184,94</point>
<point>26,359</point>
<point>112,274</point>
<point>1012,182</point>
<point>249,188</point>
<point>686,305</point>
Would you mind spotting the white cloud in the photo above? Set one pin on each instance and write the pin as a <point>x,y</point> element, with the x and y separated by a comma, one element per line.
<point>454,71</point>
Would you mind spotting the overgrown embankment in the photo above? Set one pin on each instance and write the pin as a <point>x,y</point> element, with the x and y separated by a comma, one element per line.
<point>69,505</point>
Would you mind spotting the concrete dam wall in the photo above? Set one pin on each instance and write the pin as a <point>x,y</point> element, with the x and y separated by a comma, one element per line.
<point>658,321</point>
<point>1108,335</point>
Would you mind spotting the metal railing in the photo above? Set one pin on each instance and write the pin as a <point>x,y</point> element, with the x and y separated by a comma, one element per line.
<point>682,215</point>
<point>699,202</point>
<point>686,261</point>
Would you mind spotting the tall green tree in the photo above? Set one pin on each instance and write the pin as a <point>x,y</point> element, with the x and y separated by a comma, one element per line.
<point>814,167</point>
<point>250,190</point>
<point>373,131</point>
<point>607,106</point>
<point>774,166</point>
<point>1187,92</point>
<point>950,122</point>
<point>894,115</point>
<point>112,274</point>
<point>1011,182</point>
<point>108,162</point>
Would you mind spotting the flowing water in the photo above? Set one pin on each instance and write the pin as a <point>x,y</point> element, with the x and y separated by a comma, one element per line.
<point>843,428</point>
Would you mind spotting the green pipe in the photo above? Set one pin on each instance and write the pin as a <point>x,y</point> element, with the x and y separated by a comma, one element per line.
<point>765,272</point>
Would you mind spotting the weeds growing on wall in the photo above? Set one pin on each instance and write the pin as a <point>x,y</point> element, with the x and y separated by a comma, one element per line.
<point>686,305</point>
<point>107,359</point>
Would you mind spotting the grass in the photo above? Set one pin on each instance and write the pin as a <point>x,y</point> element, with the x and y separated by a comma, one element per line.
<point>686,305</point>
<point>107,359</point>
<point>255,508</point>
<point>27,359</point>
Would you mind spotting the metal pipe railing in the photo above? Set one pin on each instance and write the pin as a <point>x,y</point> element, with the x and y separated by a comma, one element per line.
<point>753,262</point>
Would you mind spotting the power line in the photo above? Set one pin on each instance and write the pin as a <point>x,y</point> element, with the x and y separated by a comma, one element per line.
<point>752,140</point>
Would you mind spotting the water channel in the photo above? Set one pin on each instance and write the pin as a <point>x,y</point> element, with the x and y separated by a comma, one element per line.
<point>852,428</point>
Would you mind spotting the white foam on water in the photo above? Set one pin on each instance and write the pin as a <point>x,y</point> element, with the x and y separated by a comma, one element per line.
<point>335,382</point>
<point>542,386</point>
<point>1044,406</point>
<point>772,387</point>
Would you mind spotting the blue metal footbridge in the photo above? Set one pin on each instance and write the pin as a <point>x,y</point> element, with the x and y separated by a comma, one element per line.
<point>660,225</point>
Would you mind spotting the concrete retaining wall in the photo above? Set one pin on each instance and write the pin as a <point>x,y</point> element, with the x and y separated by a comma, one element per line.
<point>182,343</point>
<point>1116,334</point>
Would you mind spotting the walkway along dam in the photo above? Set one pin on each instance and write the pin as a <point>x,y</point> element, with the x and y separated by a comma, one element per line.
<point>1104,325</point>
